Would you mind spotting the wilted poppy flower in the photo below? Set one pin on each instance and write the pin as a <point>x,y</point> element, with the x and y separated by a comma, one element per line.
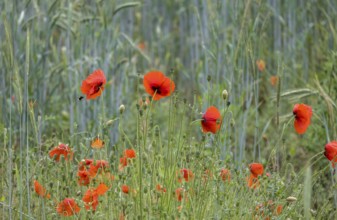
<point>267,210</point>
<point>62,149</point>
<point>158,85</point>
<point>67,207</point>
<point>256,169</point>
<point>331,152</point>
<point>207,175</point>
<point>125,189</point>
<point>40,190</point>
<point>273,80</point>
<point>97,143</point>
<point>225,175</point>
<point>185,174</point>
<point>261,65</point>
<point>142,46</point>
<point>90,198</point>
<point>211,120</point>
<point>93,85</point>
<point>303,115</point>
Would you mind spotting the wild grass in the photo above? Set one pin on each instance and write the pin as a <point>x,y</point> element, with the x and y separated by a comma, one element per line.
<point>48,47</point>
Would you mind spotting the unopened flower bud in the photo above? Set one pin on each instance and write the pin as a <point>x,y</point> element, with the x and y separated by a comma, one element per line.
<point>232,122</point>
<point>224,94</point>
<point>121,109</point>
<point>108,123</point>
<point>291,199</point>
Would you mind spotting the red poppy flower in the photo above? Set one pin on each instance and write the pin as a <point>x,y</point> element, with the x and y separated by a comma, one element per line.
<point>40,190</point>
<point>99,164</point>
<point>62,149</point>
<point>185,174</point>
<point>90,198</point>
<point>93,85</point>
<point>83,177</point>
<point>130,153</point>
<point>123,161</point>
<point>158,85</point>
<point>225,175</point>
<point>84,164</point>
<point>331,152</point>
<point>67,207</point>
<point>303,115</point>
<point>97,143</point>
<point>179,194</point>
<point>211,120</point>
<point>256,169</point>
<point>125,189</point>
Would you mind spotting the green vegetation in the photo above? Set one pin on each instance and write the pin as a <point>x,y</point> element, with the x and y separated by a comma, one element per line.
<point>48,47</point>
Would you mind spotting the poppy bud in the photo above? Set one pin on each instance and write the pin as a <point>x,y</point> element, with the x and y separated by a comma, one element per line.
<point>108,123</point>
<point>64,49</point>
<point>291,199</point>
<point>232,122</point>
<point>121,109</point>
<point>209,78</point>
<point>224,94</point>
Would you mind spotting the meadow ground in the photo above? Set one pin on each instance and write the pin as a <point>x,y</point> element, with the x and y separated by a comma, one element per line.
<point>177,109</point>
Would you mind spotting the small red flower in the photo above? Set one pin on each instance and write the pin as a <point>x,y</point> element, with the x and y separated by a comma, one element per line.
<point>125,189</point>
<point>160,188</point>
<point>185,174</point>
<point>158,85</point>
<point>331,152</point>
<point>90,198</point>
<point>40,190</point>
<point>93,85</point>
<point>123,161</point>
<point>273,80</point>
<point>225,175</point>
<point>303,115</point>
<point>211,120</point>
<point>181,194</point>
<point>130,153</point>
<point>67,207</point>
<point>62,149</point>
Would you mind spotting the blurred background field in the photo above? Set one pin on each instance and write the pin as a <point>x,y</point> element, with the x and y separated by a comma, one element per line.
<point>48,47</point>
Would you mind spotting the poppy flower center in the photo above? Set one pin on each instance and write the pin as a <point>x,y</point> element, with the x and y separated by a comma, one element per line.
<point>156,89</point>
<point>97,87</point>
